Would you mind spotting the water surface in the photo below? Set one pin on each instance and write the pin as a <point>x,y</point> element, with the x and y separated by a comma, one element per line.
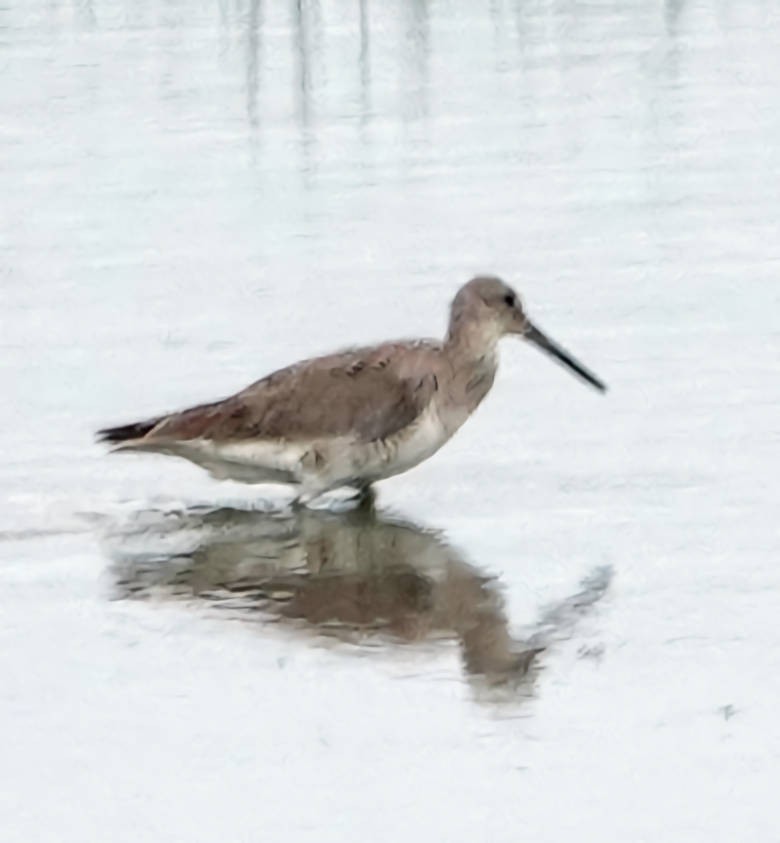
<point>196,193</point>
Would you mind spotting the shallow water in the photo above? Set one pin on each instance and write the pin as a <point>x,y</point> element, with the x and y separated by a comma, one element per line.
<point>194,194</point>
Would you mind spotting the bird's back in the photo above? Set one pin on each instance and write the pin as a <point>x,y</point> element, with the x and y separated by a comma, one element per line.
<point>366,393</point>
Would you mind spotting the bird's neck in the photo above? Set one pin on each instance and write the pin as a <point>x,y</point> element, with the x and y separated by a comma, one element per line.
<point>473,357</point>
<point>470,341</point>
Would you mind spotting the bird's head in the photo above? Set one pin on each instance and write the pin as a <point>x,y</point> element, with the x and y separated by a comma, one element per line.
<point>487,308</point>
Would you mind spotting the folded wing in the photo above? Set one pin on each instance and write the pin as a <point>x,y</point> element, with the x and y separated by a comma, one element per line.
<point>366,394</point>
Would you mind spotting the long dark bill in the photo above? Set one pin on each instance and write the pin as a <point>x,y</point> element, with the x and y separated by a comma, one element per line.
<point>541,340</point>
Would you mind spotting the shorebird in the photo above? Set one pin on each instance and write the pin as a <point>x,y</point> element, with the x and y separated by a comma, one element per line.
<point>356,416</point>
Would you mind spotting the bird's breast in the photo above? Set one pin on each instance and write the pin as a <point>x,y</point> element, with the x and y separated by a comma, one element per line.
<point>471,383</point>
<point>409,446</point>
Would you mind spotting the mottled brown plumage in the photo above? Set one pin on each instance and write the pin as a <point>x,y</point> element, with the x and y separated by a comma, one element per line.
<point>365,391</point>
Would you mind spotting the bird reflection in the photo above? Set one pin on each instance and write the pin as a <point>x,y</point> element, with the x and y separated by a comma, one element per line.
<point>359,576</point>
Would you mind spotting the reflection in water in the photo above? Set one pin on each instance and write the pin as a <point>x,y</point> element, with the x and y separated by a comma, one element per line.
<point>254,28</point>
<point>415,51</point>
<point>303,62</point>
<point>306,22</point>
<point>364,62</point>
<point>309,61</point>
<point>358,576</point>
<point>672,11</point>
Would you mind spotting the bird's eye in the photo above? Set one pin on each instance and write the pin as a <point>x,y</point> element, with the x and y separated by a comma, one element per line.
<point>509,299</point>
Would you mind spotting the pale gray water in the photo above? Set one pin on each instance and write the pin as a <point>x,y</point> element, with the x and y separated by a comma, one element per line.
<point>196,193</point>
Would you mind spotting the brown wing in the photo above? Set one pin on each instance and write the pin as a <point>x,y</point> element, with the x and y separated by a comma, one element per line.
<point>368,393</point>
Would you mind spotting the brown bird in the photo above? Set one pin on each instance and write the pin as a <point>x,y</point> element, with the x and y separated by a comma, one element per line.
<point>356,416</point>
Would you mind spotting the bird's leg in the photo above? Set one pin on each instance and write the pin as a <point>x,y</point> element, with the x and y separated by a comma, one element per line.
<point>364,496</point>
<point>304,498</point>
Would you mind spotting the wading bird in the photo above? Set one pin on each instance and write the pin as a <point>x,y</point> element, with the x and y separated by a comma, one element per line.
<point>356,416</point>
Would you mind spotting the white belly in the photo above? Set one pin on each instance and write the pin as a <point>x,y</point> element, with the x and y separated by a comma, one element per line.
<point>251,461</point>
<point>317,466</point>
<point>410,446</point>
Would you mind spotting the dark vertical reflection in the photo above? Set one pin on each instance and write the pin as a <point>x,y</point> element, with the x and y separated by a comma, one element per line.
<point>495,11</point>
<point>672,11</point>
<point>254,31</point>
<point>303,64</point>
<point>416,58</point>
<point>303,80</point>
<point>521,26</point>
<point>365,63</point>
